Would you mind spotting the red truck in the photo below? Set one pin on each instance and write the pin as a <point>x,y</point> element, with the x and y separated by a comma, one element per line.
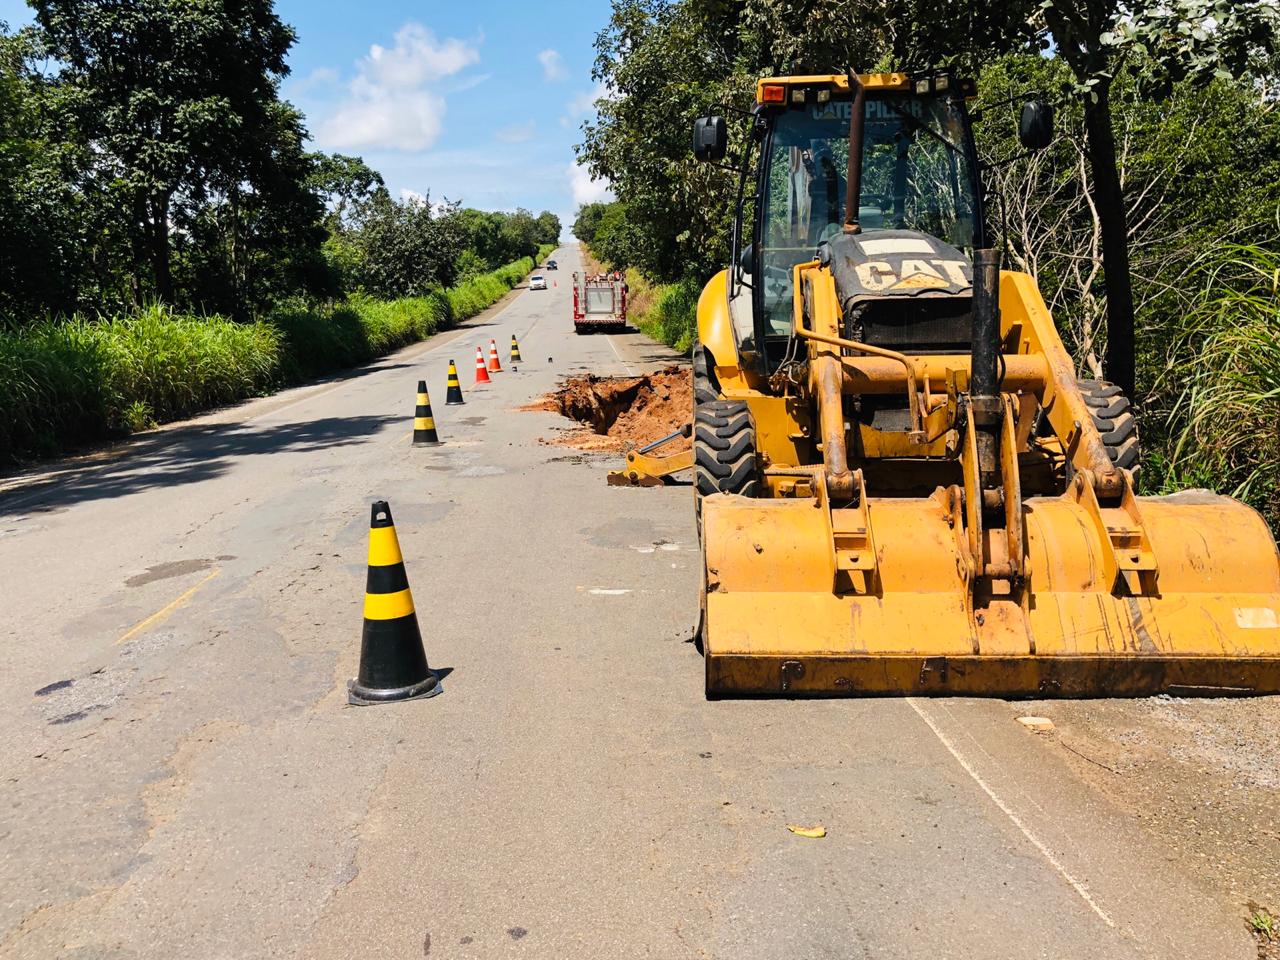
<point>599,303</point>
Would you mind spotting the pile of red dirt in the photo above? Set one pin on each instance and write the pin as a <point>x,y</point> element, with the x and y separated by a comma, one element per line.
<point>622,413</point>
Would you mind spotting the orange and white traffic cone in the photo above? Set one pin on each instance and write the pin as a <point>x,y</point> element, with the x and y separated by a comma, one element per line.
<point>494,365</point>
<point>482,372</point>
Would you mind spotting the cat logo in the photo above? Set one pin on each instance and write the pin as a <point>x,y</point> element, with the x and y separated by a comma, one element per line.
<point>880,276</point>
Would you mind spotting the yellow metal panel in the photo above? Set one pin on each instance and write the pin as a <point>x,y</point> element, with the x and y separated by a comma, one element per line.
<point>715,332</point>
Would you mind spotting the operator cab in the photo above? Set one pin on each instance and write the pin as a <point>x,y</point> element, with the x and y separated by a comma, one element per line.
<point>904,264</point>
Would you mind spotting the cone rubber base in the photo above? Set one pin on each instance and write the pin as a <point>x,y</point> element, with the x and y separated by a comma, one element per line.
<point>368,696</point>
<point>428,443</point>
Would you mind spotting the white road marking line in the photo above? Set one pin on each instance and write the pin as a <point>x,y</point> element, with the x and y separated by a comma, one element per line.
<point>614,347</point>
<point>597,591</point>
<point>1076,885</point>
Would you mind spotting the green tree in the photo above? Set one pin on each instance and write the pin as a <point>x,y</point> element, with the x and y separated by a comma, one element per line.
<point>1174,40</point>
<point>59,247</point>
<point>407,248</point>
<point>587,221</point>
<point>175,98</point>
<point>483,231</point>
<point>342,182</point>
<point>518,235</point>
<point>548,227</point>
<point>617,237</point>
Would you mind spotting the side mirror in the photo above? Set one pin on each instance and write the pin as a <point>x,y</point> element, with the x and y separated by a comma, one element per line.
<point>710,138</point>
<point>746,257</point>
<point>1035,125</point>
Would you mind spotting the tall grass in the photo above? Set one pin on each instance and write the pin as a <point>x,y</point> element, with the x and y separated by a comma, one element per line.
<point>664,312</point>
<point>1221,385</point>
<point>67,383</point>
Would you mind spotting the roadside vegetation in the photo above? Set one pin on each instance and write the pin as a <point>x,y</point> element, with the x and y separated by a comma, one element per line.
<point>1152,223</point>
<point>77,380</point>
<point>169,243</point>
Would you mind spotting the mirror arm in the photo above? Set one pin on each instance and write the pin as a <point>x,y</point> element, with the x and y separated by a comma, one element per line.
<point>976,115</point>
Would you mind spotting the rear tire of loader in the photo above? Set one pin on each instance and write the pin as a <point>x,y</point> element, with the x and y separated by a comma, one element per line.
<point>705,388</point>
<point>1113,416</point>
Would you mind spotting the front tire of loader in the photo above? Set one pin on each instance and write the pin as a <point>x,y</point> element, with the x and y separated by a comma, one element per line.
<point>1113,416</point>
<point>724,449</point>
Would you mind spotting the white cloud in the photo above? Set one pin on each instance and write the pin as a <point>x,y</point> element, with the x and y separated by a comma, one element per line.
<point>390,102</point>
<point>518,132</point>
<point>321,78</point>
<point>586,188</point>
<point>553,66</point>
<point>584,103</point>
<point>416,59</point>
<point>412,196</point>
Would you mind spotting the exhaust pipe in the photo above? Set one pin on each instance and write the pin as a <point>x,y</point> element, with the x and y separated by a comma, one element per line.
<point>984,386</point>
<point>853,173</point>
<point>983,383</point>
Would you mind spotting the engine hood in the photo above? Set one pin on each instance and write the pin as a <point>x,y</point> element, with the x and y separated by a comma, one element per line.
<point>891,264</point>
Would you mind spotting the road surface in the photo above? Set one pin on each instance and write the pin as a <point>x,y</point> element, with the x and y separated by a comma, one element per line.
<point>183,778</point>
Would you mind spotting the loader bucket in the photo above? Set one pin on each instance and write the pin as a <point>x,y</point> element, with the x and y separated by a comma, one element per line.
<point>792,609</point>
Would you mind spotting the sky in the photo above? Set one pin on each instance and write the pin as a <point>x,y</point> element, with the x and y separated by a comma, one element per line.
<point>478,101</point>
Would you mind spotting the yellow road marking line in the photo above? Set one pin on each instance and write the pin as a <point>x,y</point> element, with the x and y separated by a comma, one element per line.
<point>163,612</point>
<point>1076,885</point>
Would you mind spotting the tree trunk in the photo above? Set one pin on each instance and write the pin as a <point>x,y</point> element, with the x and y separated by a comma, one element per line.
<point>159,237</point>
<point>1108,197</point>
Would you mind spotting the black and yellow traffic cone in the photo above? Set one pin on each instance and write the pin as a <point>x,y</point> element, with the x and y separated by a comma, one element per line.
<point>515,350</point>
<point>393,664</point>
<point>424,424</point>
<point>454,393</point>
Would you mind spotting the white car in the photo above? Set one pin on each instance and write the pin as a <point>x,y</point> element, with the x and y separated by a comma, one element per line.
<point>538,282</point>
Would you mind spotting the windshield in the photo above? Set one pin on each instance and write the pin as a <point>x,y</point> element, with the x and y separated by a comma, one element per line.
<point>916,175</point>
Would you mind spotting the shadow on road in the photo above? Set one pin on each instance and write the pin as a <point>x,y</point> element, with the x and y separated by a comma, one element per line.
<point>659,357</point>
<point>187,455</point>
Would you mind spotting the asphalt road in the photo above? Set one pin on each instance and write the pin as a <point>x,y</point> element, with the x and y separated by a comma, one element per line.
<point>182,776</point>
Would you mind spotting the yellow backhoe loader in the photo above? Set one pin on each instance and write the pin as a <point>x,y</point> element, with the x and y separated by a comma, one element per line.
<point>902,486</point>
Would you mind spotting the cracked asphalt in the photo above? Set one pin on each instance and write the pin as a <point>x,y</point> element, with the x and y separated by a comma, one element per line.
<point>183,777</point>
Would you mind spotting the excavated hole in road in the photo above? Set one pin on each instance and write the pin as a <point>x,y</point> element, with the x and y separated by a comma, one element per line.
<point>622,413</point>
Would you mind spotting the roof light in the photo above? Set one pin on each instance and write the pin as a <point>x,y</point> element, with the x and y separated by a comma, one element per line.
<point>773,93</point>
<point>942,83</point>
<point>824,96</point>
<point>797,94</point>
<point>924,85</point>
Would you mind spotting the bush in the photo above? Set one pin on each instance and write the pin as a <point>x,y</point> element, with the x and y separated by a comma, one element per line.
<point>79,381</point>
<point>668,313</point>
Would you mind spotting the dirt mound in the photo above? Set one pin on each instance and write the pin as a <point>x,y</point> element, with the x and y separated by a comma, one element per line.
<point>622,413</point>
